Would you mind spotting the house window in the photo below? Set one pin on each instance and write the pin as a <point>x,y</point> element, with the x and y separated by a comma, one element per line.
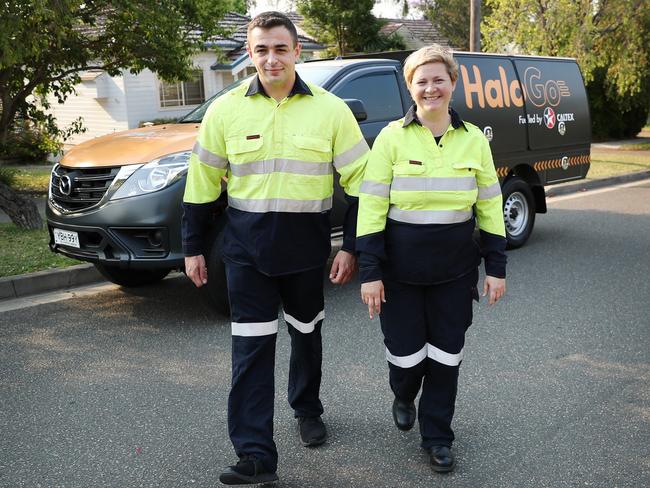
<point>179,93</point>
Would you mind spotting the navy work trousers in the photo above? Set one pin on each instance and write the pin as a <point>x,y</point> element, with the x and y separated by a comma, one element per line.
<point>254,302</point>
<point>424,333</point>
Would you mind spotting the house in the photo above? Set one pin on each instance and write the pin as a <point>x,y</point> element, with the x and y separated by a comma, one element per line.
<point>414,33</point>
<point>115,103</point>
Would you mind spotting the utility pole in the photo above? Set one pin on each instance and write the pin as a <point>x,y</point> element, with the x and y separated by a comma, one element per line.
<point>475,26</point>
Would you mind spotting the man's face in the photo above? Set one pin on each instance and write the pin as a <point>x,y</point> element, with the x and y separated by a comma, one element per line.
<point>274,55</point>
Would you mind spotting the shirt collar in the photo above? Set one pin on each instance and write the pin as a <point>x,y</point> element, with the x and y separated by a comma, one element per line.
<point>412,117</point>
<point>299,87</point>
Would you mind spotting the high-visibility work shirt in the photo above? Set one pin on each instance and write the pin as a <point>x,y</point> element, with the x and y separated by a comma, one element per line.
<point>279,158</point>
<point>419,200</point>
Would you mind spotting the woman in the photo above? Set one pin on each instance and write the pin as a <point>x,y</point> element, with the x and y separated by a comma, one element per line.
<point>429,176</point>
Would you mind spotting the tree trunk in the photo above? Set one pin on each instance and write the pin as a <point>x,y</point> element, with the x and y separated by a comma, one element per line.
<point>21,209</point>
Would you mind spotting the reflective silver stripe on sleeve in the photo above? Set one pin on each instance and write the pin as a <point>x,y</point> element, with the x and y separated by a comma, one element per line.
<point>374,188</point>
<point>485,192</point>
<point>208,157</point>
<point>352,154</point>
<point>304,327</point>
<point>443,357</point>
<point>429,216</point>
<point>280,205</point>
<point>433,184</point>
<point>292,166</point>
<point>407,361</point>
<point>254,329</point>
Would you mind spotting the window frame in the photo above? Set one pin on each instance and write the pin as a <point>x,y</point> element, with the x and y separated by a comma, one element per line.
<point>181,89</point>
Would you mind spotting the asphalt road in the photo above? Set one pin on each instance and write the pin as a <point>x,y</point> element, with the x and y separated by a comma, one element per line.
<point>128,388</point>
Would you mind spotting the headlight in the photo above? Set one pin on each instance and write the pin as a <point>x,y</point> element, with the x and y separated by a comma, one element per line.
<point>153,176</point>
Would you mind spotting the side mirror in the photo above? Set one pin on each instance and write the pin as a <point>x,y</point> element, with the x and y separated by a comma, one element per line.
<point>358,109</point>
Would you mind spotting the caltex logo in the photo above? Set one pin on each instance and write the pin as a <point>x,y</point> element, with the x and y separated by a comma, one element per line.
<point>549,117</point>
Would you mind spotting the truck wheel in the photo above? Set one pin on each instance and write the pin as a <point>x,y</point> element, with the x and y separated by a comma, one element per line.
<point>518,211</point>
<point>131,277</point>
<point>216,288</point>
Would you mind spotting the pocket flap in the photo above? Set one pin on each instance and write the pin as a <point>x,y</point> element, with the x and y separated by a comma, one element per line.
<point>467,165</point>
<point>244,144</point>
<point>408,167</point>
<point>313,143</point>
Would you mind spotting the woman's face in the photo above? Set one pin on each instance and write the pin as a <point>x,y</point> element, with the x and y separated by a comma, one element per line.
<point>431,88</point>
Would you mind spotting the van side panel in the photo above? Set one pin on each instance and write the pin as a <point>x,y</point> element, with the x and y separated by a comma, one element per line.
<point>488,95</point>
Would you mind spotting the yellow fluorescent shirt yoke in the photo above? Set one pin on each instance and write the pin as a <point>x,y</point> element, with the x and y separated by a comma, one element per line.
<point>410,179</point>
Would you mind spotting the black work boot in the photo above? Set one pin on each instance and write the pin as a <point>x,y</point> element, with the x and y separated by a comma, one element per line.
<point>404,414</point>
<point>442,459</point>
<point>247,471</point>
<point>312,431</point>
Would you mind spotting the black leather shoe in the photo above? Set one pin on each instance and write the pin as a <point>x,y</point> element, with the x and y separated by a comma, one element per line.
<point>442,459</point>
<point>312,431</point>
<point>247,471</point>
<point>404,414</point>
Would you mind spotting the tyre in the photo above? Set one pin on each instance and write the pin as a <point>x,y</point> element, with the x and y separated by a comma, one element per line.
<point>131,277</point>
<point>216,287</point>
<point>518,211</point>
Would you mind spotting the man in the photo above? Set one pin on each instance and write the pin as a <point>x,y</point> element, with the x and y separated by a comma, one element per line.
<point>277,138</point>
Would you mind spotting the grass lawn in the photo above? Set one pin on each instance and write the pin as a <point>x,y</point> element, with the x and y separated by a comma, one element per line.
<point>24,251</point>
<point>33,179</point>
<point>642,146</point>
<point>612,162</point>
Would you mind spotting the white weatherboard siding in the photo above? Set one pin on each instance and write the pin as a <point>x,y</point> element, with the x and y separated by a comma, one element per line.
<point>143,101</point>
<point>112,104</point>
<point>100,102</point>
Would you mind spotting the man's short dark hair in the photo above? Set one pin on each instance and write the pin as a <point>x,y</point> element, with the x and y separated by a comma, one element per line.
<point>268,20</point>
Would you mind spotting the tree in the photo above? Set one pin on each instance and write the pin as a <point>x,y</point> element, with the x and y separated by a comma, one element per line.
<point>451,18</point>
<point>242,6</point>
<point>348,26</point>
<point>609,38</point>
<point>45,44</point>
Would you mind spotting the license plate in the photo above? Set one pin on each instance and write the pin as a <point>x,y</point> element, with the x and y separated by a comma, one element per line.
<point>66,237</point>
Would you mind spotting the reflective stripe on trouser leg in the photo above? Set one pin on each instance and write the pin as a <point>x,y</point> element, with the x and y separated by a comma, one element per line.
<point>449,314</point>
<point>254,301</point>
<point>403,324</point>
<point>302,300</point>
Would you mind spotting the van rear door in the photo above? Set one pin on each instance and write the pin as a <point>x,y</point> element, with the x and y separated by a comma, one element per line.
<point>557,115</point>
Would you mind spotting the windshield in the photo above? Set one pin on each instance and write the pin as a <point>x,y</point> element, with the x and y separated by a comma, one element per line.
<point>197,114</point>
<point>317,75</point>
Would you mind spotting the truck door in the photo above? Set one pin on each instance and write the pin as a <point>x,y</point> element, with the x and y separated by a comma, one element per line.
<point>379,90</point>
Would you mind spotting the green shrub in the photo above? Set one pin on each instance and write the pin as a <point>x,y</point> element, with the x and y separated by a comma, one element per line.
<point>28,143</point>
<point>613,116</point>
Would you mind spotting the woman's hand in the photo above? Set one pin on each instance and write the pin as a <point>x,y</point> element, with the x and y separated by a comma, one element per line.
<point>494,288</point>
<point>372,294</point>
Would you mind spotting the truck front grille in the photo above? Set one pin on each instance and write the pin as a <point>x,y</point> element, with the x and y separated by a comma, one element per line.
<point>75,189</point>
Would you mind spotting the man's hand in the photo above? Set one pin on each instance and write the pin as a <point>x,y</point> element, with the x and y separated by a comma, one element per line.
<point>343,267</point>
<point>196,270</point>
<point>372,294</point>
<point>494,288</point>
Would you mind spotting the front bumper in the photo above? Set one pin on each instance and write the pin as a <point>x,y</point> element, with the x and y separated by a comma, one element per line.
<point>142,232</point>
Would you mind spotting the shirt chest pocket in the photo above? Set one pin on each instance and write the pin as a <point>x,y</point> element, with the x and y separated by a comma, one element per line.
<point>312,148</point>
<point>466,168</point>
<point>244,148</point>
<point>409,167</point>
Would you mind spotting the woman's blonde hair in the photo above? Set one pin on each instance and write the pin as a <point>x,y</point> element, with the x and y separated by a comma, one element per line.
<point>435,53</point>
